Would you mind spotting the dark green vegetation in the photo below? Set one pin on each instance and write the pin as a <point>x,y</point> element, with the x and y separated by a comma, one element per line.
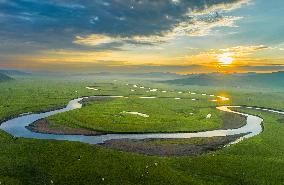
<point>22,96</point>
<point>256,161</point>
<point>250,80</point>
<point>4,78</point>
<point>28,95</point>
<point>25,161</point>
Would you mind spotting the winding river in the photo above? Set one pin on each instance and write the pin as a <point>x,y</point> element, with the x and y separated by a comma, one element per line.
<point>17,127</point>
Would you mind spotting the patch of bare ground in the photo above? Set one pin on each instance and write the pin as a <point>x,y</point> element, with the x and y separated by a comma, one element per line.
<point>43,126</point>
<point>281,119</point>
<point>95,98</point>
<point>171,147</point>
<point>232,121</point>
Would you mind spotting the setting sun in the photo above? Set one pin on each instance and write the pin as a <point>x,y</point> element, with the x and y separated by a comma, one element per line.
<point>225,59</point>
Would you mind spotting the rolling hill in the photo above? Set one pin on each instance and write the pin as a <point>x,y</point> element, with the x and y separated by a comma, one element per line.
<point>248,80</point>
<point>11,72</point>
<point>153,76</point>
<point>4,77</point>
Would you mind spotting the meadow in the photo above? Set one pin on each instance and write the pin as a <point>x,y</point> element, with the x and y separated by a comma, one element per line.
<point>258,160</point>
<point>165,115</point>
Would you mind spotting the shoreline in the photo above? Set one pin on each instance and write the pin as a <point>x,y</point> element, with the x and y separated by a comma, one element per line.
<point>18,128</point>
<point>160,147</point>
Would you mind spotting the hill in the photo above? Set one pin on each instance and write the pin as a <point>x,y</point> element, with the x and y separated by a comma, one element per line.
<point>13,72</point>
<point>153,76</point>
<point>248,80</point>
<point>4,77</point>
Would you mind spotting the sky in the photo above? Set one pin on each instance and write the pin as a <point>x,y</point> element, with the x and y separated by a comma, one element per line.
<point>180,36</point>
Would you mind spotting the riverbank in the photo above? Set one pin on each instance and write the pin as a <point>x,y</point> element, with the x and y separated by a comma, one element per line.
<point>230,121</point>
<point>171,147</point>
<point>43,126</point>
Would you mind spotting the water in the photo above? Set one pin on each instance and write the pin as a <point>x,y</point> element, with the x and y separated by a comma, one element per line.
<point>17,128</point>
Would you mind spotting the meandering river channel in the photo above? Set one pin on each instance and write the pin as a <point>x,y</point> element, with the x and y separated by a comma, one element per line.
<point>17,127</point>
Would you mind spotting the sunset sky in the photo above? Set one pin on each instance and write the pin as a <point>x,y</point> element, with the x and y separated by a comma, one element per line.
<point>183,36</point>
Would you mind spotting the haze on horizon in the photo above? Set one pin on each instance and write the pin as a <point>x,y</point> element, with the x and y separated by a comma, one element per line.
<point>182,36</point>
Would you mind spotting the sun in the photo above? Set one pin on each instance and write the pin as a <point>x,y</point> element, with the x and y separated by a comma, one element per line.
<point>225,59</point>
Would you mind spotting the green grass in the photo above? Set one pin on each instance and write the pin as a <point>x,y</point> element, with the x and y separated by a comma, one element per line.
<point>259,160</point>
<point>255,161</point>
<point>165,115</point>
<point>26,161</point>
<point>29,95</point>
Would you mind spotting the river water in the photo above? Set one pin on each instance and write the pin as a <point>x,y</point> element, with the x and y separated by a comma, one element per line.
<point>17,128</point>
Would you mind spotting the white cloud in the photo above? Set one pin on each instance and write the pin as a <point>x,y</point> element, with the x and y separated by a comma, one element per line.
<point>278,47</point>
<point>199,27</point>
<point>220,7</point>
<point>94,39</point>
<point>98,39</point>
<point>244,50</point>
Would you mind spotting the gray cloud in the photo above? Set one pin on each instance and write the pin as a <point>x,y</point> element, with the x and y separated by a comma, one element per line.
<point>55,23</point>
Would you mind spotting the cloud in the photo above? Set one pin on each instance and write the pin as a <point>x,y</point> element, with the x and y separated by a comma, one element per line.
<point>239,53</point>
<point>93,40</point>
<point>203,27</point>
<point>125,67</point>
<point>224,6</point>
<point>245,50</point>
<point>195,21</point>
<point>279,47</point>
<point>262,68</point>
<point>68,56</point>
<point>59,23</point>
<point>99,40</point>
<point>196,27</point>
<point>236,51</point>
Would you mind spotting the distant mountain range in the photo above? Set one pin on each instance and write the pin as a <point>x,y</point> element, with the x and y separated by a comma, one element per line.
<point>4,77</point>
<point>247,80</point>
<point>13,72</point>
<point>143,76</point>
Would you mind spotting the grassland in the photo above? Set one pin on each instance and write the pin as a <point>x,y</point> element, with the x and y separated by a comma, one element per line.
<point>165,115</point>
<point>256,161</point>
<point>28,95</point>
